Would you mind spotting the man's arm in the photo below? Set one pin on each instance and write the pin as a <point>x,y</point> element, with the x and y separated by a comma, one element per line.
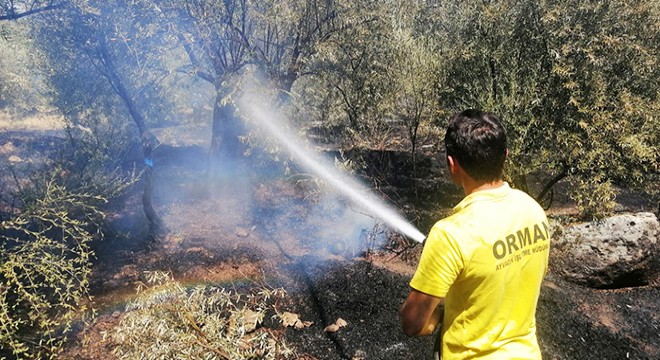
<point>420,314</point>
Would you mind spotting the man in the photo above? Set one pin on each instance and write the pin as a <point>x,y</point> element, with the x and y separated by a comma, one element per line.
<point>486,261</point>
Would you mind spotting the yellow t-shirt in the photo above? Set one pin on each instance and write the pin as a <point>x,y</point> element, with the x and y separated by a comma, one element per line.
<point>488,260</point>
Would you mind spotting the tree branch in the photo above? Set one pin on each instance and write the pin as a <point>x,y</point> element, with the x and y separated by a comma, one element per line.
<point>15,16</point>
<point>548,187</point>
<point>195,61</point>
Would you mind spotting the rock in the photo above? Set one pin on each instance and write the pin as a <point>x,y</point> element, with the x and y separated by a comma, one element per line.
<point>341,322</point>
<point>14,159</point>
<point>331,328</point>
<point>242,232</point>
<point>289,319</point>
<point>8,148</point>
<point>303,324</point>
<point>619,251</point>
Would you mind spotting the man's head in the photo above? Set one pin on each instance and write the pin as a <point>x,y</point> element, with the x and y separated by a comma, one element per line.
<point>477,141</point>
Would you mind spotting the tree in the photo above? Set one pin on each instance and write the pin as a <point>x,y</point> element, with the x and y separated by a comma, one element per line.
<point>606,71</point>
<point>576,83</point>
<point>223,39</point>
<point>23,70</point>
<point>20,88</point>
<point>415,69</point>
<point>354,72</point>
<point>111,51</point>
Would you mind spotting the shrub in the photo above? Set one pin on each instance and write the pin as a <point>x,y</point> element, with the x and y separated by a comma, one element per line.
<point>167,321</point>
<point>44,271</point>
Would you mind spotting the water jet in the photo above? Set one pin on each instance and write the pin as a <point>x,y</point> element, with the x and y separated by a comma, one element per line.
<point>271,123</point>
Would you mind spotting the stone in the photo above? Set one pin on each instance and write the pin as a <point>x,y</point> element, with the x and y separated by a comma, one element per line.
<point>619,251</point>
<point>289,319</point>
<point>332,328</point>
<point>242,232</point>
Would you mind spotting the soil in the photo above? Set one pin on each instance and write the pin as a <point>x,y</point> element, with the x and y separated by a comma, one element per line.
<point>268,230</point>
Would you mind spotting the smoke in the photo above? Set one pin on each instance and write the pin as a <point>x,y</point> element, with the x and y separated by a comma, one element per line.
<point>270,123</point>
<point>235,204</point>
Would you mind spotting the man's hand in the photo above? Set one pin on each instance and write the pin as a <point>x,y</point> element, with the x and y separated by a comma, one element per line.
<point>420,314</point>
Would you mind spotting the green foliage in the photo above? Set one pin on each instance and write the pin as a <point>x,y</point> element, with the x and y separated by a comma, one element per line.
<point>24,70</point>
<point>607,66</point>
<point>96,150</point>
<point>167,321</point>
<point>44,271</point>
<point>353,76</point>
<point>414,70</point>
<point>575,82</point>
<point>375,76</point>
<point>596,197</point>
<point>104,53</point>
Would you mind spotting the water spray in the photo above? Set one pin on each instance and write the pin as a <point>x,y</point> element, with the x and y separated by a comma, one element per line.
<point>272,123</point>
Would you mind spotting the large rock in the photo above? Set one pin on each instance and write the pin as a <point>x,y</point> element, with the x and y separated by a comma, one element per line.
<point>619,251</point>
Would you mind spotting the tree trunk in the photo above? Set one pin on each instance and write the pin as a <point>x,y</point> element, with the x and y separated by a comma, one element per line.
<point>157,229</point>
<point>412,132</point>
<point>545,196</point>
<point>226,145</point>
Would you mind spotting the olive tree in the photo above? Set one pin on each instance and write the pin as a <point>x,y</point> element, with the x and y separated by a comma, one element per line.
<point>605,70</point>
<point>223,39</point>
<point>354,75</point>
<point>23,70</point>
<point>575,82</point>
<point>110,74</point>
<point>415,69</point>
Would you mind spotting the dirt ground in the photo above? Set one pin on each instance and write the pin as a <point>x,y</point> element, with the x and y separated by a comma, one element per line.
<point>222,232</point>
<point>573,322</point>
<point>220,236</point>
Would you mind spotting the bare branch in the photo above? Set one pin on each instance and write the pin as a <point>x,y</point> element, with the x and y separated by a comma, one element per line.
<point>12,15</point>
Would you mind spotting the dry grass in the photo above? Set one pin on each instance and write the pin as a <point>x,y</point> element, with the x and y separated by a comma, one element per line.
<point>40,122</point>
<point>187,134</point>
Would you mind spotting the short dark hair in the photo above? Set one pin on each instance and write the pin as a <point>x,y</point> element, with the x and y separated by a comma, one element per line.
<point>477,140</point>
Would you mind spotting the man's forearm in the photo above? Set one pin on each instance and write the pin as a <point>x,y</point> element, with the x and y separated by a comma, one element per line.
<point>420,313</point>
<point>433,321</point>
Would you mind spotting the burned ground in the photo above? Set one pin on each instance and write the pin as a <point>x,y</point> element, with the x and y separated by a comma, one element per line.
<point>267,230</point>
<point>276,244</point>
<point>574,322</point>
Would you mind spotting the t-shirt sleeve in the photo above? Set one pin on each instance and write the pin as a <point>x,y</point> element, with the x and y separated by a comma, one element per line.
<point>440,264</point>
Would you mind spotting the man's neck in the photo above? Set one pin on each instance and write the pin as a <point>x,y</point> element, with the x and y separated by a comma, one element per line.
<point>472,187</point>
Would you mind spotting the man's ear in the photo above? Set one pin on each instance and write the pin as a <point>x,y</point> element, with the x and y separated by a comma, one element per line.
<point>454,169</point>
<point>452,164</point>
<point>507,153</point>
